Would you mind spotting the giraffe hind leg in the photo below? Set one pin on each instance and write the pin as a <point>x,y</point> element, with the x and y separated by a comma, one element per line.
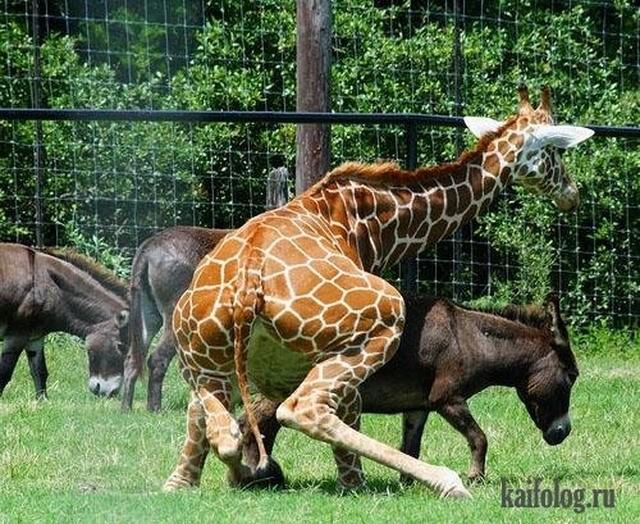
<point>194,450</point>
<point>223,432</point>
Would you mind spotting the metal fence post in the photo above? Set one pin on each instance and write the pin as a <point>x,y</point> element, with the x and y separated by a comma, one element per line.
<point>409,268</point>
<point>38,153</point>
<point>465,233</point>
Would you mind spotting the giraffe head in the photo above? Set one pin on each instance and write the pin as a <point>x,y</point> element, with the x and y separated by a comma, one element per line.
<point>535,145</point>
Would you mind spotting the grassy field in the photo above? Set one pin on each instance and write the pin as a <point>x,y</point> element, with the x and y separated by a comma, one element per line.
<point>76,458</point>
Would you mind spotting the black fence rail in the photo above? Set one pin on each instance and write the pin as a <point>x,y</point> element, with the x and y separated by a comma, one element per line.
<point>282,117</point>
<point>600,275</point>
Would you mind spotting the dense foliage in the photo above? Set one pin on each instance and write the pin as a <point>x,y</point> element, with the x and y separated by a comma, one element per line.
<point>111,184</point>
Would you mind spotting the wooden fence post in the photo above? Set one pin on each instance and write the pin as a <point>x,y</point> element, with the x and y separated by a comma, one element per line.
<point>313,66</point>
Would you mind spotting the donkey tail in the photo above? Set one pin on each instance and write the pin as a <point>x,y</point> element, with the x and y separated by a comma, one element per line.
<point>137,348</point>
<point>249,301</point>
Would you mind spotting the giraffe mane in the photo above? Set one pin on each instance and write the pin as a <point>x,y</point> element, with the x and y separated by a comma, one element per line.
<point>390,173</point>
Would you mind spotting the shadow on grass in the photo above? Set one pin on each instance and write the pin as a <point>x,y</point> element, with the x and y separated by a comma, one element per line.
<point>579,474</point>
<point>330,486</point>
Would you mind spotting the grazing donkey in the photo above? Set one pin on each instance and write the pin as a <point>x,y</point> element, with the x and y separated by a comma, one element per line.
<point>161,271</point>
<point>60,290</point>
<point>449,353</point>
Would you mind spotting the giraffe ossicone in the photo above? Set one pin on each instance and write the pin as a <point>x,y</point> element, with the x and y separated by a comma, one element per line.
<point>292,299</point>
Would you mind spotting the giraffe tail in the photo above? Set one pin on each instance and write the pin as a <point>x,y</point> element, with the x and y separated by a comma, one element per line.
<point>249,301</point>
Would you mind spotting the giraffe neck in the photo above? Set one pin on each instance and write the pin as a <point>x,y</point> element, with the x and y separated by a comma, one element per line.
<point>385,222</point>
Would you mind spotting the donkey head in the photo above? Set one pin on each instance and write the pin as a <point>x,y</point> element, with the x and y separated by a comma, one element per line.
<point>546,389</point>
<point>537,144</point>
<point>106,349</point>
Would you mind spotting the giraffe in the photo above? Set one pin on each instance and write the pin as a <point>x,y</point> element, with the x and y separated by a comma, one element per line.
<point>292,299</point>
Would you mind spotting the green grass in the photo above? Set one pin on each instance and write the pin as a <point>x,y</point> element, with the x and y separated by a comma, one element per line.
<point>76,458</point>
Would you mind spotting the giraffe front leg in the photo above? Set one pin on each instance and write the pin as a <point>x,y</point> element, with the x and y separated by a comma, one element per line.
<point>194,450</point>
<point>350,473</point>
<point>312,410</point>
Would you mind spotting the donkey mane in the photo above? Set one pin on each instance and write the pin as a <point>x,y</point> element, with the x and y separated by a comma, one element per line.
<point>389,173</point>
<point>107,279</point>
<point>531,315</point>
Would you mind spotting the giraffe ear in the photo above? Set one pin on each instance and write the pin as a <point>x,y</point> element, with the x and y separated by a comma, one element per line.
<point>563,137</point>
<point>480,125</point>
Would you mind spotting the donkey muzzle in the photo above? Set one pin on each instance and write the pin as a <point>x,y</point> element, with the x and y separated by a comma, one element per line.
<point>557,431</point>
<point>104,387</point>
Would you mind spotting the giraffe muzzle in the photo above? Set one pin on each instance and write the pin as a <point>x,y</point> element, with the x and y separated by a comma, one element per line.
<point>568,200</point>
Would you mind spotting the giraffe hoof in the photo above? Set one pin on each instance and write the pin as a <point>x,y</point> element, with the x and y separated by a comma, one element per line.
<point>353,483</point>
<point>450,485</point>
<point>457,492</point>
<point>176,483</point>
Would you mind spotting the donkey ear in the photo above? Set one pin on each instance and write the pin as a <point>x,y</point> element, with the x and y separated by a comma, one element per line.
<point>480,125</point>
<point>558,328</point>
<point>122,318</point>
<point>563,137</point>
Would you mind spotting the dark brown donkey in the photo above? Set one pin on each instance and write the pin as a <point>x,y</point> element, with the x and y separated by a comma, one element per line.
<point>162,270</point>
<point>59,290</point>
<point>449,353</point>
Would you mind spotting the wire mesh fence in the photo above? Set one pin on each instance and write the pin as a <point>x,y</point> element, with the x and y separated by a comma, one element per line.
<point>108,185</point>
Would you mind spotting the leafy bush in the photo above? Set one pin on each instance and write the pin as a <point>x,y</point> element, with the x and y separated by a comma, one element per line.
<point>112,184</point>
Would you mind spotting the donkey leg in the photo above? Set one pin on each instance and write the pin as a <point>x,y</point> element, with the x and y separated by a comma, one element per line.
<point>413,423</point>
<point>158,364</point>
<point>13,347</point>
<point>38,367</point>
<point>458,415</point>
<point>312,410</point>
<point>264,411</point>
<point>128,384</point>
<point>194,450</point>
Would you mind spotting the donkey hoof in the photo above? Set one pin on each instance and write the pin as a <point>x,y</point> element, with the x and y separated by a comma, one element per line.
<point>476,477</point>
<point>268,476</point>
<point>264,477</point>
<point>154,405</point>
